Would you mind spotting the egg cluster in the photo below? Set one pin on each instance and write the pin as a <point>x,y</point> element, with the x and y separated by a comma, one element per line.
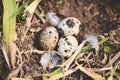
<point>60,37</point>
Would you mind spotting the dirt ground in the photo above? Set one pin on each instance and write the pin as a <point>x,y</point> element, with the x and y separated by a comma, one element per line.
<point>100,17</point>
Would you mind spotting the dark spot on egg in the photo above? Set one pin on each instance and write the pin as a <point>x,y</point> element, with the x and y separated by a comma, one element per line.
<point>55,37</point>
<point>68,43</point>
<point>64,36</point>
<point>77,22</point>
<point>65,50</point>
<point>50,32</point>
<point>66,39</point>
<point>70,23</point>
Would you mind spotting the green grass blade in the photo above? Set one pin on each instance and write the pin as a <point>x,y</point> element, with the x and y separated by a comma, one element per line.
<point>21,8</point>
<point>9,24</point>
<point>57,71</point>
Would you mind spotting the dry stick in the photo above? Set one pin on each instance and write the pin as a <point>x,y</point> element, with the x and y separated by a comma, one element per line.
<point>71,59</point>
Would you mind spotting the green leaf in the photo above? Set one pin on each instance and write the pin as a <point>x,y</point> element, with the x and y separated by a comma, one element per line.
<point>9,23</point>
<point>57,71</point>
<point>108,48</point>
<point>110,77</point>
<point>21,8</point>
<point>86,48</point>
<point>117,74</point>
<point>61,2</point>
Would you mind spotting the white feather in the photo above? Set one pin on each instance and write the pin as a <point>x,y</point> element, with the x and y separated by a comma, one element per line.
<point>51,59</point>
<point>45,60</point>
<point>92,39</point>
<point>52,18</point>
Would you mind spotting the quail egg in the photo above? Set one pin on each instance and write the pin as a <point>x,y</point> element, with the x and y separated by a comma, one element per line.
<point>67,45</point>
<point>48,38</point>
<point>51,59</point>
<point>70,26</point>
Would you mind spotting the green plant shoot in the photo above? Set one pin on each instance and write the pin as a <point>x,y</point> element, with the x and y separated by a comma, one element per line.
<point>9,23</point>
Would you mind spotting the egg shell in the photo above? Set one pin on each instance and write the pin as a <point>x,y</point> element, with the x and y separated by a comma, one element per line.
<point>48,38</point>
<point>67,45</point>
<point>70,26</point>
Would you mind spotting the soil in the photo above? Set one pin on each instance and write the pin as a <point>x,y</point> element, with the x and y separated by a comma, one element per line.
<point>99,17</point>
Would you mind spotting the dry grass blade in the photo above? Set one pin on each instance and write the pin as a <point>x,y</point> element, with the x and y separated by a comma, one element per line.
<point>19,79</point>
<point>13,49</point>
<point>15,72</point>
<point>5,53</point>
<point>101,69</point>
<point>90,72</point>
<point>29,11</point>
<point>35,51</point>
<point>114,59</point>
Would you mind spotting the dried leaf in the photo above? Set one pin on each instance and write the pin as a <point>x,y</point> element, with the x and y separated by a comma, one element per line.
<point>13,49</point>
<point>31,8</point>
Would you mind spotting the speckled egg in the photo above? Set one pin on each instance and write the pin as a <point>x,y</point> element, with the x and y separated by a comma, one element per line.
<point>48,38</point>
<point>70,26</point>
<point>67,45</point>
